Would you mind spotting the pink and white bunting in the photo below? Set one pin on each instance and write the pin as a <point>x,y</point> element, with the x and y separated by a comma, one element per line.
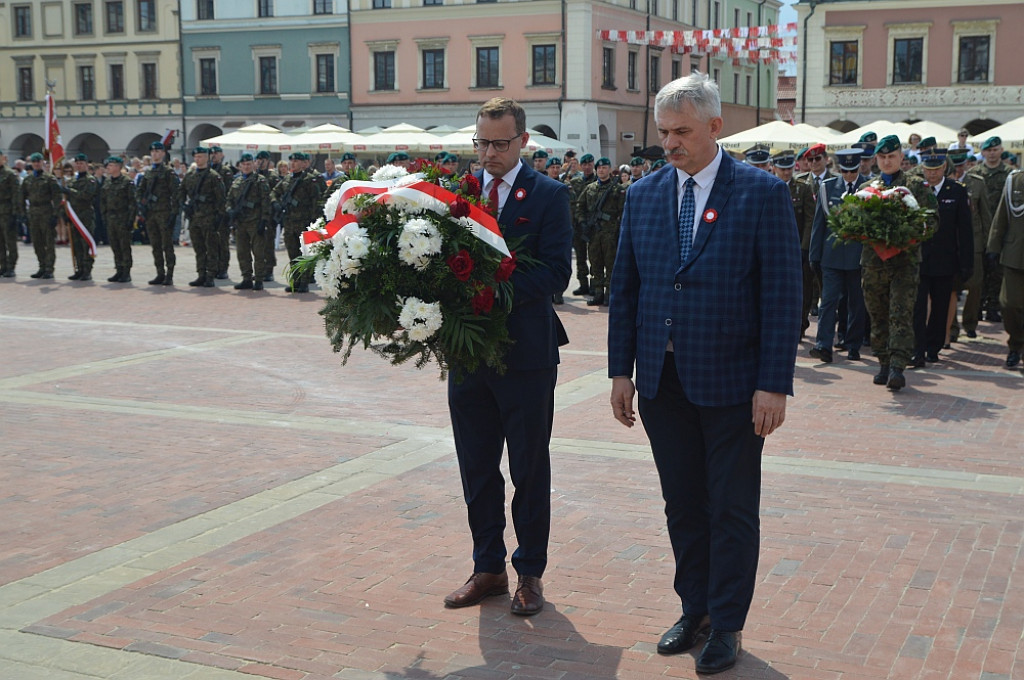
<point>744,43</point>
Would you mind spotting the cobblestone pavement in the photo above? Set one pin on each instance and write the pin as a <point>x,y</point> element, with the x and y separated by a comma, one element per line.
<point>193,488</point>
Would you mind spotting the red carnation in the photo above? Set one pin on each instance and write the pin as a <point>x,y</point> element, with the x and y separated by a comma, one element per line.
<point>483,301</point>
<point>505,269</point>
<point>461,265</point>
<point>459,207</point>
<point>470,186</point>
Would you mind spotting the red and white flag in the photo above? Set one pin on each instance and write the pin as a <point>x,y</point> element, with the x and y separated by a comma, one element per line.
<point>168,138</point>
<point>76,222</point>
<point>54,147</point>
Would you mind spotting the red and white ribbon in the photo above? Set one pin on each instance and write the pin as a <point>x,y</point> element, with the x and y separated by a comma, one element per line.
<point>80,228</point>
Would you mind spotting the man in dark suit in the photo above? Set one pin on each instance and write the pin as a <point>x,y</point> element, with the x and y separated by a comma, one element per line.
<point>516,409</point>
<point>705,302</point>
<point>947,254</point>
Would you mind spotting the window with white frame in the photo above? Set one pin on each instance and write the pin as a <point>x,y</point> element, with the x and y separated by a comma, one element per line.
<point>266,59</point>
<point>545,65</point>
<point>908,53</point>
<point>974,50</point>
<point>486,61</point>
<point>844,64</point>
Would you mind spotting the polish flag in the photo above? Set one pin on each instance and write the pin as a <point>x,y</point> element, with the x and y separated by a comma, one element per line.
<point>54,147</point>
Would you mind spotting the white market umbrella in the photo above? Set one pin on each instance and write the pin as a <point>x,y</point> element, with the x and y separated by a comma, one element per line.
<point>1011,132</point>
<point>401,137</point>
<point>776,135</point>
<point>944,136</point>
<point>323,139</point>
<point>258,137</point>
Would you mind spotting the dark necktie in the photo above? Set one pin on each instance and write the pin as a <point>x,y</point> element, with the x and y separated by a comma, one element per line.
<point>686,211</point>
<point>849,188</point>
<point>492,195</point>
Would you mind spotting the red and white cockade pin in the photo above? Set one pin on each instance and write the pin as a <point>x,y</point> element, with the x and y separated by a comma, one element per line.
<point>520,194</point>
<point>710,215</point>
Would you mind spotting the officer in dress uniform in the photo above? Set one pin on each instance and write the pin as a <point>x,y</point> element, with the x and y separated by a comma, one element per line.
<point>993,172</point>
<point>203,193</point>
<point>81,191</point>
<point>11,208</point>
<point>981,216</point>
<point>117,205</point>
<point>759,157</point>
<point>1006,247</point>
<point>158,210</point>
<point>248,211</point>
<point>601,209</point>
<point>41,192</point>
<point>579,239</point>
<point>803,208</point>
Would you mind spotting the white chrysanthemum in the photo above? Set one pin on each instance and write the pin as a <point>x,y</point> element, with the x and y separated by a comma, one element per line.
<point>910,201</point>
<point>421,320</point>
<point>331,206</point>
<point>418,241</point>
<point>358,247</point>
<point>325,277</point>
<point>389,172</point>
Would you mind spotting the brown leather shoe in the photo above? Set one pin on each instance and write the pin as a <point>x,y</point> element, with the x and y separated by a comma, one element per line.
<point>479,586</point>
<point>529,597</point>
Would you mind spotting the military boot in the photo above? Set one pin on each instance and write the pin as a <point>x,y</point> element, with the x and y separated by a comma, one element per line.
<point>76,276</point>
<point>584,288</point>
<point>159,280</point>
<point>116,278</point>
<point>200,280</point>
<point>209,281</point>
<point>86,275</point>
<point>245,284</point>
<point>598,297</point>
<point>169,279</point>
<point>126,276</point>
<point>883,375</point>
<point>896,379</point>
<point>37,275</point>
<point>257,284</point>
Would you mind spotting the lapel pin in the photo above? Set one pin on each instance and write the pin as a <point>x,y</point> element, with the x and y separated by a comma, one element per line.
<point>520,194</point>
<point>710,215</point>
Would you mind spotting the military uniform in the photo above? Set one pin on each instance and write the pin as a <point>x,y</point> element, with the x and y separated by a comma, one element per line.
<point>579,241</point>
<point>203,194</point>
<point>117,203</point>
<point>158,205</point>
<point>11,207</point>
<point>803,206</point>
<point>297,199</point>
<point>223,253</point>
<point>82,191</point>
<point>995,182</point>
<point>890,291</point>
<point>1006,242</point>
<point>42,192</point>
<point>248,211</point>
<point>269,243</point>
<point>601,209</point>
<point>981,221</point>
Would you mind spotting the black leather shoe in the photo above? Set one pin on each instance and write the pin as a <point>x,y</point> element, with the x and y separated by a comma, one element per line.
<point>8,274</point>
<point>972,334</point>
<point>916,362</point>
<point>719,653</point>
<point>823,353</point>
<point>222,275</point>
<point>883,375</point>
<point>116,278</point>
<point>46,275</point>
<point>853,355</point>
<point>684,634</point>
<point>1012,359</point>
<point>198,282</point>
<point>75,276</point>
<point>896,380</point>
<point>208,282</point>
<point>86,276</point>
<point>37,275</point>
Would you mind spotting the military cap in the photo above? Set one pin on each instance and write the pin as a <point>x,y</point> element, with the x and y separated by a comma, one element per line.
<point>401,156</point>
<point>554,160</point>
<point>245,157</point>
<point>81,157</point>
<point>757,156</point>
<point>216,149</point>
<point>156,145</point>
<point>636,161</point>
<point>296,156</point>
<point>816,150</point>
<point>784,159</point>
<point>603,160</point>
<point>262,155</point>
<point>200,149</point>
<point>991,142</point>
<point>1004,155</point>
<point>441,157</point>
<point>802,152</point>
<point>348,156</point>
<point>849,159</point>
<point>913,160</point>
<point>114,159</point>
<point>868,137</point>
<point>927,143</point>
<point>958,158</point>
<point>867,149</point>
<point>888,144</point>
<point>587,158</point>
<point>540,153</point>
<point>1012,158</point>
<point>35,157</point>
<point>452,158</point>
<point>657,164</point>
<point>937,159</point>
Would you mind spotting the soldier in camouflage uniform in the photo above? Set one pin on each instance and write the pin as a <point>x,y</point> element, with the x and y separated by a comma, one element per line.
<point>117,205</point>
<point>81,191</point>
<point>890,286</point>
<point>993,172</point>
<point>42,192</point>
<point>158,210</point>
<point>248,212</point>
<point>227,176</point>
<point>601,208</point>
<point>579,243</point>
<point>11,207</point>
<point>296,200</point>
<point>203,193</point>
<point>264,166</point>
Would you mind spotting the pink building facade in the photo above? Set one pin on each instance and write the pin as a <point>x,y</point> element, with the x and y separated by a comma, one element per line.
<point>954,63</point>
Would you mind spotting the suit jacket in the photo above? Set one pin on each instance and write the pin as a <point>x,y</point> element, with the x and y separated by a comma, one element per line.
<point>951,250</point>
<point>537,208</point>
<point>732,310</point>
<point>824,249</point>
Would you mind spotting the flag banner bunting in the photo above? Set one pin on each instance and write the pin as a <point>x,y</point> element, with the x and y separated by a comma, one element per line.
<point>418,194</point>
<point>744,43</point>
<point>80,228</point>
<point>53,147</point>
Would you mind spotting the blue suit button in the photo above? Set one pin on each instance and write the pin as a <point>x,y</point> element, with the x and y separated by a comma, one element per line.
<point>679,286</point>
<point>668,322</point>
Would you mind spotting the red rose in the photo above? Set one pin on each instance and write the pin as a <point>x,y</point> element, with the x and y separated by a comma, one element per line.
<point>459,207</point>
<point>418,165</point>
<point>505,269</point>
<point>483,301</point>
<point>470,186</point>
<point>461,265</point>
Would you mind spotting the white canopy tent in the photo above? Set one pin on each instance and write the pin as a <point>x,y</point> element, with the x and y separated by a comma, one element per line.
<point>323,139</point>
<point>258,137</point>
<point>778,136</point>
<point>944,136</point>
<point>1012,134</point>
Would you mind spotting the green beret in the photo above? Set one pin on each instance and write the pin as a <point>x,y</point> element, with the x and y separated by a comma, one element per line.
<point>400,156</point>
<point>927,143</point>
<point>554,160</point>
<point>657,164</point>
<point>802,152</point>
<point>540,153</point>
<point>296,156</point>
<point>200,149</point>
<point>245,157</point>
<point>1004,155</point>
<point>452,158</point>
<point>114,159</point>
<point>888,144</point>
<point>81,157</point>
<point>587,158</point>
<point>35,157</point>
<point>991,142</point>
<point>636,161</point>
<point>603,160</point>
<point>441,157</point>
<point>934,160</point>
<point>913,160</point>
<point>868,137</point>
<point>263,155</point>
<point>348,156</point>
<point>156,146</point>
<point>216,149</point>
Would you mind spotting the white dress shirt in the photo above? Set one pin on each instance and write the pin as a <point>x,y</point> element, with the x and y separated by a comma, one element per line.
<point>505,188</point>
<point>705,181</point>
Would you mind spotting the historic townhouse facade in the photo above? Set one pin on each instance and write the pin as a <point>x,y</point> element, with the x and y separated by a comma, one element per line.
<point>432,62</point>
<point>279,62</point>
<point>946,61</point>
<point>113,66</point>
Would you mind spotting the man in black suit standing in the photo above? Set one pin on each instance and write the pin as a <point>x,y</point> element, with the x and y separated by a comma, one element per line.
<point>490,411</point>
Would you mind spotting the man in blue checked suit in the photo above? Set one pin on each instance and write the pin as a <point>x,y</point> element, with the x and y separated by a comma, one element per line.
<point>705,303</point>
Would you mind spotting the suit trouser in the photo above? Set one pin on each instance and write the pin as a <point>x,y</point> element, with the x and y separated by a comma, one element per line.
<point>8,241</point>
<point>160,228</point>
<point>930,326</point>
<point>44,237</point>
<point>488,411</point>
<point>709,464</point>
<point>1011,299</point>
<point>991,286</point>
<point>836,285</point>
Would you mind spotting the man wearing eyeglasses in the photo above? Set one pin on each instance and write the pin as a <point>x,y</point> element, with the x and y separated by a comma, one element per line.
<point>491,411</point>
<point>816,159</point>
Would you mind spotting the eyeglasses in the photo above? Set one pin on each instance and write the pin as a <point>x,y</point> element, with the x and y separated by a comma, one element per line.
<point>814,158</point>
<point>500,145</point>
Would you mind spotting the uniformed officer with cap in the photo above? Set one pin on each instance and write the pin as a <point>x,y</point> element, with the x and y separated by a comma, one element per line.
<point>803,209</point>
<point>295,201</point>
<point>11,208</point>
<point>264,166</point>
<point>117,206</point>
<point>540,157</point>
<point>636,168</point>
<point>81,191</point>
<point>553,167</point>
<point>867,158</point>
<point>1006,245</point>
<point>601,211</point>
<point>348,162</point>
<point>837,264</point>
<point>248,212</point>
<point>203,194</point>
<point>577,184</point>
<point>158,211</point>
<point>41,192</point>
<point>981,214</point>
<point>759,157</point>
<point>227,176</point>
<point>993,172</point>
